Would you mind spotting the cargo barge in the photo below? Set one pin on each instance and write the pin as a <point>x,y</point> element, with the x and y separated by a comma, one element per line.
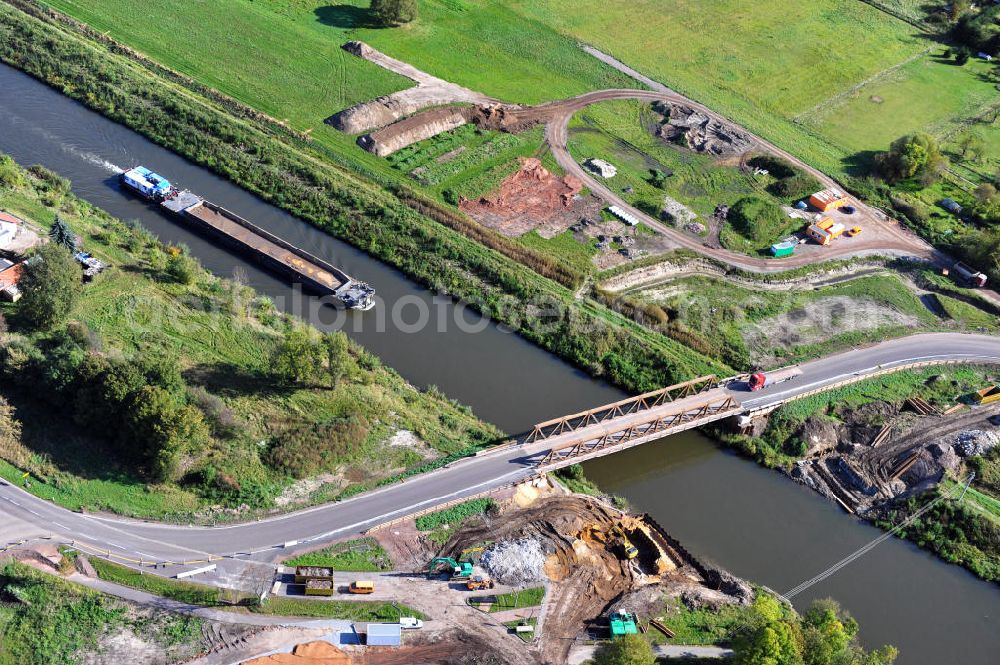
<point>265,247</point>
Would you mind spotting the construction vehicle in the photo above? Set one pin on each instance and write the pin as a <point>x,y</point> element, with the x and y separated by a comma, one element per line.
<point>630,550</point>
<point>759,380</point>
<point>853,231</point>
<point>459,570</point>
<point>361,586</point>
<point>305,573</point>
<point>987,395</point>
<point>966,275</point>
<point>479,582</point>
<point>622,623</point>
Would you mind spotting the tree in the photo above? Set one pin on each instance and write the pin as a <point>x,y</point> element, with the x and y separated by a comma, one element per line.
<point>391,13</point>
<point>773,643</point>
<point>971,145</point>
<point>160,429</point>
<point>985,192</point>
<point>51,285</point>
<point>627,650</point>
<point>181,266</point>
<point>61,234</point>
<point>757,218</point>
<point>298,359</point>
<point>335,348</point>
<point>912,155</point>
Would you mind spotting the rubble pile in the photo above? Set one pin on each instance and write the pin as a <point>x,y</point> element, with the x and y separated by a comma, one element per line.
<point>515,562</point>
<point>975,442</point>
<point>700,132</point>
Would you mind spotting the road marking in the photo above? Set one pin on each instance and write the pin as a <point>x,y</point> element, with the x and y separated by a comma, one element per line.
<point>61,526</point>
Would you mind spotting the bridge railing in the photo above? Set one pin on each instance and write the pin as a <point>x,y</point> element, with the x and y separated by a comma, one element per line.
<point>687,416</point>
<point>624,407</point>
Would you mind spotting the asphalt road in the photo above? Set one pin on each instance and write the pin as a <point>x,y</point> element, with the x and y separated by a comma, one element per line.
<point>133,541</point>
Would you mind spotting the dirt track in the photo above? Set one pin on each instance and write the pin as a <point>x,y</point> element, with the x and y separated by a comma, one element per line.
<point>882,236</point>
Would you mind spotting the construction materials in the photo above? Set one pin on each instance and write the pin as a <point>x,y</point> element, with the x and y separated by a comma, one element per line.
<point>760,380</point>
<point>966,275</point>
<point>515,562</point>
<point>922,406</point>
<point>953,409</point>
<point>882,436</point>
<point>987,395</point>
<point>305,573</point>
<point>319,587</point>
<point>660,627</point>
<point>623,215</point>
<point>902,467</point>
<point>622,623</point>
<point>361,586</point>
<point>782,249</point>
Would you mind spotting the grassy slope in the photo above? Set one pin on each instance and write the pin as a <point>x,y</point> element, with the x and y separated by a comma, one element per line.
<point>727,314</point>
<point>62,622</point>
<point>227,347</point>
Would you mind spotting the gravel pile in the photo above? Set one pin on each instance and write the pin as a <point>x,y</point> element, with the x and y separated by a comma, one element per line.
<point>515,562</point>
<point>975,442</point>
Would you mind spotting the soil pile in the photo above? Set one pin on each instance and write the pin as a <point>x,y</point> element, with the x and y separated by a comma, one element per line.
<point>532,198</point>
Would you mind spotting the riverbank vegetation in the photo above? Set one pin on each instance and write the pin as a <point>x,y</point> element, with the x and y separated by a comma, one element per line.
<point>46,620</point>
<point>432,243</point>
<point>204,378</point>
<point>767,631</point>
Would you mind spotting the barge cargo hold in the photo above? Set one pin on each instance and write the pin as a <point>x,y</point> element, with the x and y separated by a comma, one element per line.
<point>267,248</point>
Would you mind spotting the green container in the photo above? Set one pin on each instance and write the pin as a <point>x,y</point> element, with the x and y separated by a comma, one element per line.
<point>783,249</point>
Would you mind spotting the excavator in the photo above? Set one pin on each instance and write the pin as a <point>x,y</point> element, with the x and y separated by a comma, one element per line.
<point>631,551</point>
<point>460,570</point>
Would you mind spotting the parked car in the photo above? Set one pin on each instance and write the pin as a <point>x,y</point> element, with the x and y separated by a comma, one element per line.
<point>854,231</point>
<point>847,210</point>
<point>410,623</point>
<point>994,420</point>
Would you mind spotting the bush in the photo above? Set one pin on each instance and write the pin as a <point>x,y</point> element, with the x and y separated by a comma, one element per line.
<point>308,449</point>
<point>795,187</point>
<point>757,219</point>
<point>454,515</point>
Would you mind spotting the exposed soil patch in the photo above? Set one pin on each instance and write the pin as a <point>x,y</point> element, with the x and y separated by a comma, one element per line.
<point>533,199</point>
<point>819,320</point>
<point>429,91</point>
<point>880,453</point>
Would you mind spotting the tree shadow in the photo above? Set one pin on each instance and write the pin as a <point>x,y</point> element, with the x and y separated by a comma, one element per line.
<point>69,448</point>
<point>348,17</point>
<point>229,380</point>
<point>861,163</point>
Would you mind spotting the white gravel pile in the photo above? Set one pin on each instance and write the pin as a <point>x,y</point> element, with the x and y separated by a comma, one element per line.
<point>515,562</point>
<point>975,442</point>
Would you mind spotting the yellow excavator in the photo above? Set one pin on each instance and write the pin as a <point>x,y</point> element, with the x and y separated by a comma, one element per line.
<point>631,551</point>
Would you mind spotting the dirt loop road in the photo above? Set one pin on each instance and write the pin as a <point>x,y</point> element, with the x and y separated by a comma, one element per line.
<point>881,236</point>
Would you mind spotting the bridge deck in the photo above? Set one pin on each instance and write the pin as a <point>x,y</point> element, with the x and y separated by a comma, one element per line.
<point>633,428</point>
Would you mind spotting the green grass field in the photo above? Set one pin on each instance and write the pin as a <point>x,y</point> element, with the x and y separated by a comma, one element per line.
<point>928,94</point>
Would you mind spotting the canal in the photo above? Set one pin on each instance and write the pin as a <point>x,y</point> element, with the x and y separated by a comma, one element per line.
<point>724,508</point>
